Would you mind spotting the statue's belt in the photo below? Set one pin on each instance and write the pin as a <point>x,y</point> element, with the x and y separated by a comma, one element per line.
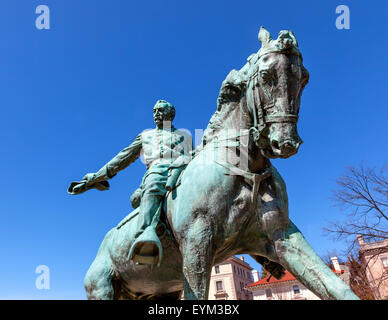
<point>253,179</point>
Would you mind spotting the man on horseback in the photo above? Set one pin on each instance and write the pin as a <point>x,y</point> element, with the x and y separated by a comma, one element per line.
<point>164,148</point>
<point>217,211</point>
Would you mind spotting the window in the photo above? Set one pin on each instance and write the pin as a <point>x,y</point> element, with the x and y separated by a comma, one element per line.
<point>296,289</point>
<point>268,293</point>
<point>219,285</point>
<point>385,262</point>
<point>217,269</point>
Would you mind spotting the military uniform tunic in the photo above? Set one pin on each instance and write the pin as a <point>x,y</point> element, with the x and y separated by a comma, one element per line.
<point>160,148</point>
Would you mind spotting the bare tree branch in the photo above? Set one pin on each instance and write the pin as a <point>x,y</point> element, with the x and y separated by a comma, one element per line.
<point>363,195</point>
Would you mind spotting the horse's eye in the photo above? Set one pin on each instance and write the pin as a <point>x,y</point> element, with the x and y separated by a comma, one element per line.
<point>267,76</point>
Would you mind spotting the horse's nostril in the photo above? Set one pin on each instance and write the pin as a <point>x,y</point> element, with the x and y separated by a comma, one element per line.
<point>275,144</point>
<point>288,147</point>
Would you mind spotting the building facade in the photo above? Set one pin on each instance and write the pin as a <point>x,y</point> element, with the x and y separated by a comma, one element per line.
<point>288,288</point>
<point>229,280</point>
<point>374,257</point>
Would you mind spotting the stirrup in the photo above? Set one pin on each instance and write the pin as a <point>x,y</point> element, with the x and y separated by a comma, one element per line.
<point>147,248</point>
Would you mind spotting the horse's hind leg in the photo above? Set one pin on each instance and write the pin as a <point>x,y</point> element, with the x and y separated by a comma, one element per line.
<point>297,256</point>
<point>98,279</point>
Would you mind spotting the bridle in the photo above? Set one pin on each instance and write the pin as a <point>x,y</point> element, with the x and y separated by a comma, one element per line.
<point>261,122</point>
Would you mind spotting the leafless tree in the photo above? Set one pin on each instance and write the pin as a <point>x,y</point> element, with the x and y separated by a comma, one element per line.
<point>359,282</point>
<point>363,195</point>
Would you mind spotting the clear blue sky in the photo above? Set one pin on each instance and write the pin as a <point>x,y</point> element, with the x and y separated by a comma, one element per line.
<point>73,96</point>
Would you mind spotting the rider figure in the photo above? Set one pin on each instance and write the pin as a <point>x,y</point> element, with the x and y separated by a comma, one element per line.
<point>161,147</point>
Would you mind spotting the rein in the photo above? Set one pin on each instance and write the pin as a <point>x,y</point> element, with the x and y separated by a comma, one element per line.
<point>253,179</point>
<point>260,122</point>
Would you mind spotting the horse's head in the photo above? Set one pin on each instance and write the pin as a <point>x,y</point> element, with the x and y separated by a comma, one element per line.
<point>276,79</point>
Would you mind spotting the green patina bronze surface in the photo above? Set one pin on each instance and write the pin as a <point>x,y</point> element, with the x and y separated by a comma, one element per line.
<point>228,200</point>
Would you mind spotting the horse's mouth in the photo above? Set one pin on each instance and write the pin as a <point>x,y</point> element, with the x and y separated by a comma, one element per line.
<point>268,153</point>
<point>282,150</point>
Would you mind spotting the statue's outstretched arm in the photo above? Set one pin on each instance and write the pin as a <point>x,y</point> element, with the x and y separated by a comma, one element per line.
<point>123,159</point>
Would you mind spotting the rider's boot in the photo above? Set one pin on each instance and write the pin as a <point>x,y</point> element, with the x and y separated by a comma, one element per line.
<point>147,248</point>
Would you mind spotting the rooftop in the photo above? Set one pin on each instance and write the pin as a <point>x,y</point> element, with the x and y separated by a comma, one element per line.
<point>268,280</point>
<point>364,246</point>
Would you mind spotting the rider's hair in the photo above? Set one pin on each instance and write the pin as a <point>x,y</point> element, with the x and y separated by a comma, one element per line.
<point>171,108</point>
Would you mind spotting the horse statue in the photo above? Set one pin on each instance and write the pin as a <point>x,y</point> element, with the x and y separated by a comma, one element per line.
<point>229,200</point>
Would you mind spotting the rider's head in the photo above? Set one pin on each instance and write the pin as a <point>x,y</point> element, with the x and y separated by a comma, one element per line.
<point>163,111</point>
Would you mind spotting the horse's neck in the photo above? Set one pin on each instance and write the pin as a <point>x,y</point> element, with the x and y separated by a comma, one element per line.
<point>230,124</point>
<point>228,119</point>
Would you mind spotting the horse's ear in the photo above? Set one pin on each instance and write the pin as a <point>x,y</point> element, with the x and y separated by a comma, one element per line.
<point>293,39</point>
<point>305,76</point>
<point>264,36</point>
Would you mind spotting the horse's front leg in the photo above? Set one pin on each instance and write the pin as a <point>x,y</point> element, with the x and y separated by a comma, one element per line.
<point>195,218</point>
<point>288,247</point>
<point>198,257</point>
<point>297,256</point>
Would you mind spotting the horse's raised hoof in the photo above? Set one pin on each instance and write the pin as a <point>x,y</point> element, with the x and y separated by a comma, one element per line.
<point>276,270</point>
<point>147,248</point>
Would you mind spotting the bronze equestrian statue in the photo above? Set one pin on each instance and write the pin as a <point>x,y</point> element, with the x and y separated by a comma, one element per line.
<point>224,199</point>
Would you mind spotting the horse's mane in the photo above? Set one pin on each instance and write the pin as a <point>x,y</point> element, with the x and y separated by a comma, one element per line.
<point>232,90</point>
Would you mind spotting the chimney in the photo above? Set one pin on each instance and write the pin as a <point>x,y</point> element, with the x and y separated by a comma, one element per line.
<point>241,258</point>
<point>360,240</point>
<point>255,274</point>
<point>335,263</point>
